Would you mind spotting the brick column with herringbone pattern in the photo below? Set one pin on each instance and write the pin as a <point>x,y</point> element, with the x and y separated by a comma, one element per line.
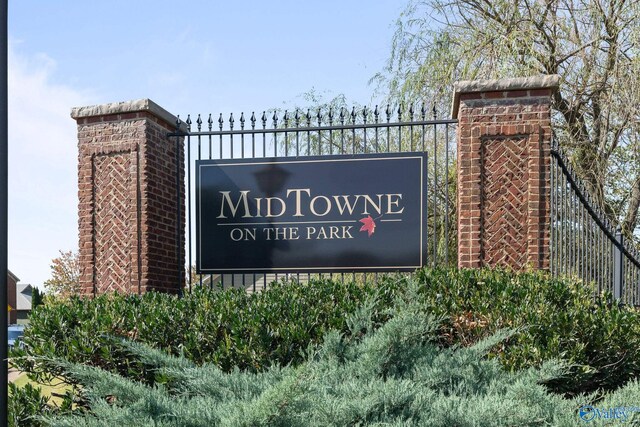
<point>504,142</point>
<point>128,177</point>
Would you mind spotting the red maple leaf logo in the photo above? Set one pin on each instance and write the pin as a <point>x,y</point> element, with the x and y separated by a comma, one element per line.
<point>369,225</point>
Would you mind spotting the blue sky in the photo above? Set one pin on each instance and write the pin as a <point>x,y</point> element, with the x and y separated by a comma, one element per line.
<point>189,57</point>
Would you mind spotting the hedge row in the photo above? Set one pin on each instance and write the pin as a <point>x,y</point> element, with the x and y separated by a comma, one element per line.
<point>230,329</point>
<point>555,319</point>
<point>391,376</point>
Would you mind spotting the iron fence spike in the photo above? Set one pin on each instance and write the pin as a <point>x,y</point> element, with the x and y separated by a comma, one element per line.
<point>210,122</point>
<point>264,119</point>
<point>242,120</point>
<point>376,114</point>
<point>388,112</point>
<point>188,122</point>
<point>253,120</point>
<point>220,121</point>
<point>423,111</point>
<point>231,120</point>
<point>353,115</point>
<point>199,122</point>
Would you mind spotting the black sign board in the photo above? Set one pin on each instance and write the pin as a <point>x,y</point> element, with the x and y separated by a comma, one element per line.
<point>312,214</point>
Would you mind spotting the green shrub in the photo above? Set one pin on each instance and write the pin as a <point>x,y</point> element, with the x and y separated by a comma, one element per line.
<point>392,376</point>
<point>25,405</point>
<point>556,319</point>
<point>230,329</point>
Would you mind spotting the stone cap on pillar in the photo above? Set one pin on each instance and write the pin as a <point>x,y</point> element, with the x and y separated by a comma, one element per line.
<point>125,109</point>
<point>551,81</point>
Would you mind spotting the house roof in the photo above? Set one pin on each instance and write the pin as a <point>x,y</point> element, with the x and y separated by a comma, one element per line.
<point>23,296</point>
<point>13,276</point>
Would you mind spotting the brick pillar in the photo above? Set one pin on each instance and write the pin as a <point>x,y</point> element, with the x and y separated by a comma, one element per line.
<point>504,139</point>
<point>127,189</point>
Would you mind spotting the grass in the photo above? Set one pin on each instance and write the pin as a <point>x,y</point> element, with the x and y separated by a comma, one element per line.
<point>50,390</point>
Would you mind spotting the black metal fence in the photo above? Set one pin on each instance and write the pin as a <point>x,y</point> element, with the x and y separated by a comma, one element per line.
<point>327,131</point>
<point>584,243</point>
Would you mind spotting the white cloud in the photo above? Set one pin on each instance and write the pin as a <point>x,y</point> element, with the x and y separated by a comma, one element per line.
<point>42,165</point>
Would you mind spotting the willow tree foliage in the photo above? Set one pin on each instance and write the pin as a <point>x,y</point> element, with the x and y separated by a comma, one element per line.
<point>592,44</point>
